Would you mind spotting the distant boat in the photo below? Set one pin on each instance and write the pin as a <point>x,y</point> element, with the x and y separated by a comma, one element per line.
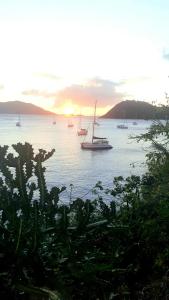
<point>54,120</point>
<point>135,123</point>
<point>82,131</point>
<point>70,124</point>
<point>122,126</point>
<point>18,123</point>
<point>96,123</point>
<point>97,143</point>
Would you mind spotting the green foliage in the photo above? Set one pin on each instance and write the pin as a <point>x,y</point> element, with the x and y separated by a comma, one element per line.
<point>84,249</point>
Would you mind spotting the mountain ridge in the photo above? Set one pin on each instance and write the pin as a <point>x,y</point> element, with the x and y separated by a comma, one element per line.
<point>20,107</point>
<point>132,109</point>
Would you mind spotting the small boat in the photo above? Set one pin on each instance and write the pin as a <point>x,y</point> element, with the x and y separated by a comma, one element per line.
<point>54,120</point>
<point>122,126</point>
<point>97,143</point>
<point>96,123</point>
<point>18,123</point>
<point>134,123</point>
<point>81,131</point>
<point>70,124</point>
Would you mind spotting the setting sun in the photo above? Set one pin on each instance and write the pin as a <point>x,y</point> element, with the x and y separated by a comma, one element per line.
<point>68,110</point>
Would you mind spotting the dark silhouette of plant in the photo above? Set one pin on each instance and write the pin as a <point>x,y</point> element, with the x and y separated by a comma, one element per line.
<point>84,249</point>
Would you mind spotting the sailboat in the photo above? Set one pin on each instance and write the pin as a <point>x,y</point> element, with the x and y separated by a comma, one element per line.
<point>123,125</point>
<point>97,143</point>
<point>18,123</point>
<point>70,124</point>
<point>82,131</point>
<point>54,120</point>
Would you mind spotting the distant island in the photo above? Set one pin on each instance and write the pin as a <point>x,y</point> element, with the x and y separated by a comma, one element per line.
<point>19,107</point>
<point>131,109</point>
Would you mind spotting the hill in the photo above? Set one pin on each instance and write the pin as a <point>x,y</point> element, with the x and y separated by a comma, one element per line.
<point>19,107</point>
<point>131,109</point>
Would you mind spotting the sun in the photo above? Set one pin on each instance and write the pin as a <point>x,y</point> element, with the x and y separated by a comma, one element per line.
<point>68,110</point>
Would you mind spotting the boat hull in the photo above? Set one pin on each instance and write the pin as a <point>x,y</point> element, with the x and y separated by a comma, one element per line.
<point>122,126</point>
<point>82,132</point>
<point>93,146</point>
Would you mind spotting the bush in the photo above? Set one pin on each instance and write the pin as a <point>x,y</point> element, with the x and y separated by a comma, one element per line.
<point>85,249</point>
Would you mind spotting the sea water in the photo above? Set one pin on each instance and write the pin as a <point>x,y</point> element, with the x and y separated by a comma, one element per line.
<point>70,165</point>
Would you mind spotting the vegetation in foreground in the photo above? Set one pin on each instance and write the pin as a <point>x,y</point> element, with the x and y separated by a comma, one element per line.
<point>86,249</point>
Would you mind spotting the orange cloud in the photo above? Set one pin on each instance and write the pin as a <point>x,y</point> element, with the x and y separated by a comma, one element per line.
<point>104,91</point>
<point>82,96</point>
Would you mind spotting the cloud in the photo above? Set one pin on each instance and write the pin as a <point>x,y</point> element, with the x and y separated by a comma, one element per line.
<point>48,76</point>
<point>165,54</point>
<point>38,93</point>
<point>136,80</point>
<point>104,91</point>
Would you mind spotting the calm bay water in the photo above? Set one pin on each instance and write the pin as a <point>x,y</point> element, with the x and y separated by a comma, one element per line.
<point>72,165</point>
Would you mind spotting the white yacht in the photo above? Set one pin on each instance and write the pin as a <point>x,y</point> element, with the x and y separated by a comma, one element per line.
<point>97,143</point>
<point>81,131</point>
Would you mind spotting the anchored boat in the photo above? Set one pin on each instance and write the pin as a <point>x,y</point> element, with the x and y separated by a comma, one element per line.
<point>97,143</point>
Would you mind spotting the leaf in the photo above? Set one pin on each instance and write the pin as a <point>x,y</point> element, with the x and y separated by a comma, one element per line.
<point>53,295</point>
<point>99,223</point>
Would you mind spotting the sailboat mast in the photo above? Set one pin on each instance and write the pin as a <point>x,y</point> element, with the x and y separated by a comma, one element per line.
<point>94,118</point>
<point>80,120</point>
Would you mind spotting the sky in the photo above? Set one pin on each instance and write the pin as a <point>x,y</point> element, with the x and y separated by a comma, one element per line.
<point>64,55</point>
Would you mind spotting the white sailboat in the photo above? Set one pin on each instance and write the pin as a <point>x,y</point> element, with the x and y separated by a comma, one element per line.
<point>81,131</point>
<point>123,125</point>
<point>97,143</point>
<point>54,120</point>
<point>18,123</point>
<point>70,124</point>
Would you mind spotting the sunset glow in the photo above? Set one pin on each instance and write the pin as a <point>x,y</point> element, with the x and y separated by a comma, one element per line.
<point>68,110</point>
<point>59,50</point>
